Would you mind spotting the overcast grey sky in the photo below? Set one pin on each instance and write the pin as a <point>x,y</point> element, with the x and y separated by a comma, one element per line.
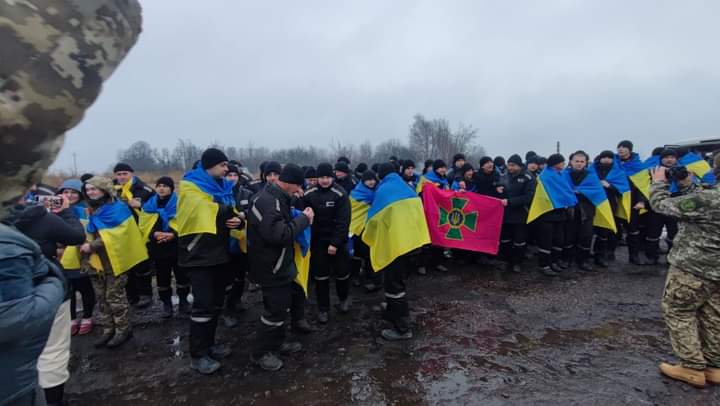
<point>525,73</point>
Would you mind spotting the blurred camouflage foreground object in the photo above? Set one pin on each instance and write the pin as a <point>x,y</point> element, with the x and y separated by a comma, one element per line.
<point>54,57</point>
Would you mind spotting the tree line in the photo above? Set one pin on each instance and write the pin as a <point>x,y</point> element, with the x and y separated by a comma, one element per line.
<point>427,139</point>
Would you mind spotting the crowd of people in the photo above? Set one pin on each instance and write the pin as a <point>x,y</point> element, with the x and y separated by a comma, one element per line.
<point>219,230</point>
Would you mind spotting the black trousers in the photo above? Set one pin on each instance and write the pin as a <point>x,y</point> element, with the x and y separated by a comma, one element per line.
<point>139,281</point>
<point>550,240</point>
<point>397,311</point>
<point>82,283</point>
<point>235,283</point>
<point>322,266</point>
<point>578,238</point>
<point>278,301</point>
<point>208,286</point>
<point>165,268</point>
<point>513,242</point>
<point>655,224</point>
<point>605,242</point>
<point>634,232</point>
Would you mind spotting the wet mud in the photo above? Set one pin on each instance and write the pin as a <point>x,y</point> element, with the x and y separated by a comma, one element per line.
<point>481,336</point>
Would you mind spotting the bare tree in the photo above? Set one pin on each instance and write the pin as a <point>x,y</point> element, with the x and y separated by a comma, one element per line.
<point>185,154</point>
<point>338,149</point>
<point>365,152</point>
<point>422,137</point>
<point>140,156</point>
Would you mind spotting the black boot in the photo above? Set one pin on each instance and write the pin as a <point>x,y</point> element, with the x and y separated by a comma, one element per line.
<point>184,305</point>
<point>119,339</point>
<point>106,336</point>
<point>600,261</point>
<point>167,311</point>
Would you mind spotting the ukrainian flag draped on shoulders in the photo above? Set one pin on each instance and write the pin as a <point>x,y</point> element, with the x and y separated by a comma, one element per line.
<point>698,167</point>
<point>361,198</point>
<point>151,212</point>
<point>592,189</point>
<point>70,259</point>
<point>617,178</point>
<point>396,222</point>
<point>433,178</point>
<point>552,191</point>
<point>637,171</point>
<point>301,247</point>
<point>120,234</point>
<point>198,202</point>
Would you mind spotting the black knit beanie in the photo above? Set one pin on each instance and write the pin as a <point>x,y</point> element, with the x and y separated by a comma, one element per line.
<point>324,169</point>
<point>212,157</point>
<point>292,174</point>
<point>167,181</point>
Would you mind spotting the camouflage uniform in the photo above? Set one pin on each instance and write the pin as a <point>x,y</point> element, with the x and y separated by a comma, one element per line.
<point>55,56</point>
<point>691,302</point>
<point>109,288</point>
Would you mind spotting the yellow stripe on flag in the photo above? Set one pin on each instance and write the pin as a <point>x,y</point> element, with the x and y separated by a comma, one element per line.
<point>541,203</point>
<point>124,245</point>
<point>604,216</point>
<point>302,263</point>
<point>358,216</point>
<point>624,206</point>
<point>641,180</point>
<point>397,229</point>
<point>241,236</point>
<point>699,168</point>
<point>196,211</point>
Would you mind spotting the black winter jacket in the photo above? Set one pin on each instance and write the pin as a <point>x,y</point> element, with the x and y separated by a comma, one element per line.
<point>585,207</point>
<point>518,190</point>
<point>167,251</point>
<point>486,184</point>
<point>271,233</point>
<point>49,230</point>
<point>348,183</point>
<point>205,250</point>
<point>332,214</point>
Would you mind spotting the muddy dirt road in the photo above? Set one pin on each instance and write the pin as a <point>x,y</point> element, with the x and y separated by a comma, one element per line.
<point>481,337</point>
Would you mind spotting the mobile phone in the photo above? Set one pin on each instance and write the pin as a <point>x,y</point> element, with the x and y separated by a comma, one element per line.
<point>51,202</point>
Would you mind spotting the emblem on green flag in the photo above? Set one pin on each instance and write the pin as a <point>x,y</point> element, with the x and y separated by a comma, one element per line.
<point>458,219</point>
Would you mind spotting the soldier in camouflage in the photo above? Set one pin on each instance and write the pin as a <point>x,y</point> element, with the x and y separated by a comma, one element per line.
<point>691,301</point>
<point>55,56</point>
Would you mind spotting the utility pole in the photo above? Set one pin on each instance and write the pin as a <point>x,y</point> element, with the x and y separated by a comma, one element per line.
<point>75,171</point>
<point>557,147</point>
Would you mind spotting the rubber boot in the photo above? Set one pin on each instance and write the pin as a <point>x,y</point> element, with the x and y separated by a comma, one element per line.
<point>678,372</point>
<point>712,375</point>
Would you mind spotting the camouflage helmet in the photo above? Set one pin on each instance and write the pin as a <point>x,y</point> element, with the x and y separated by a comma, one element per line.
<point>55,57</point>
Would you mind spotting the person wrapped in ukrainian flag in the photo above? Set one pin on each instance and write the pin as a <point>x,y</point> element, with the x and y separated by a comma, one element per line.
<point>116,247</point>
<point>549,212</point>
<point>617,189</point>
<point>205,215</point>
<point>360,200</point>
<point>639,177</point>
<point>395,226</point>
<point>592,209</point>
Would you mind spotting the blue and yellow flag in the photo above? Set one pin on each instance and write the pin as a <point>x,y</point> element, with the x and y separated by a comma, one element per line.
<point>433,178</point>
<point>151,213</point>
<point>396,222</point>
<point>552,191</point>
<point>593,190</point>
<point>198,202</point>
<point>301,246</point>
<point>120,234</point>
<point>70,259</point>
<point>638,173</point>
<point>699,167</point>
<point>617,178</point>
<point>361,198</point>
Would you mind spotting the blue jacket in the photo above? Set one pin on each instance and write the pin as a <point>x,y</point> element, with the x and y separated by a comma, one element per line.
<point>30,295</point>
